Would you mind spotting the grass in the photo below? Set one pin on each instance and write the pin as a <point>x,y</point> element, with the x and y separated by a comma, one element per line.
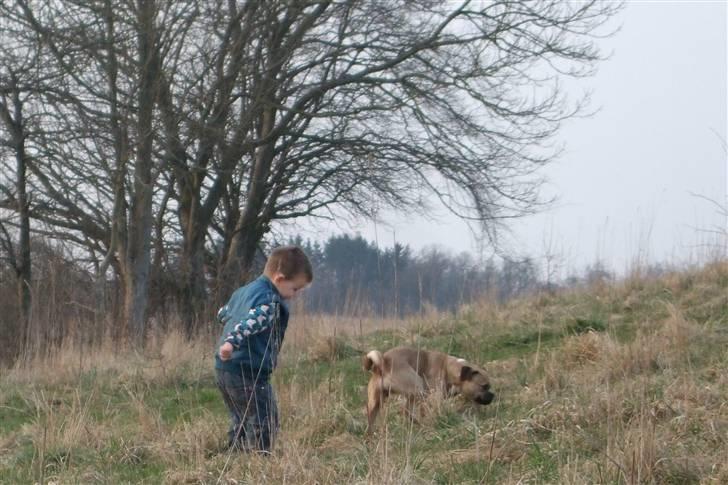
<point>612,384</point>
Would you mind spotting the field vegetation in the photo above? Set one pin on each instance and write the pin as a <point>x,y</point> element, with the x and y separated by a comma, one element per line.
<point>614,383</point>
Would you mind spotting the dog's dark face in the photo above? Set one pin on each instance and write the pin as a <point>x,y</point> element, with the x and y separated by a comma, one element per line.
<point>474,385</point>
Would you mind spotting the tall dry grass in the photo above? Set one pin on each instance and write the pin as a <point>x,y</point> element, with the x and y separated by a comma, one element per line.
<point>623,383</point>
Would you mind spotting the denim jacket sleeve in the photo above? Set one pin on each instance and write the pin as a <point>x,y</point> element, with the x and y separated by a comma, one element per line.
<point>259,319</point>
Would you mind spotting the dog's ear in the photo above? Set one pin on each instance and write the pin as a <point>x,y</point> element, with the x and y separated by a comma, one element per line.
<point>467,372</point>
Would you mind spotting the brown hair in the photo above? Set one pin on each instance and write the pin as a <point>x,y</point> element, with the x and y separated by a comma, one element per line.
<point>290,261</point>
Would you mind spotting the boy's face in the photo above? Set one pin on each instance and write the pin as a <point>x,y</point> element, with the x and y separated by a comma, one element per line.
<point>289,288</point>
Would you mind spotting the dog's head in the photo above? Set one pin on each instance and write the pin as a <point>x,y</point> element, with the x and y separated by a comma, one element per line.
<point>474,384</point>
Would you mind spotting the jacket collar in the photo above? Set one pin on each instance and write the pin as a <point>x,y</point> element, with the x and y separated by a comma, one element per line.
<point>267,281</point>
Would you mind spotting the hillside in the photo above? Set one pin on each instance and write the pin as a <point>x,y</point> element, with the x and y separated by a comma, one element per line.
<point>612,384</point>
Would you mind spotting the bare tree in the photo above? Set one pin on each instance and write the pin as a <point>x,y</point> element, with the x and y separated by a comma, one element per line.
<point>379,104</point>
<point>19,78</point>
<point>234,116</point>
<point>15,197</point>
<point>94,156</point>
<point>356,105</point>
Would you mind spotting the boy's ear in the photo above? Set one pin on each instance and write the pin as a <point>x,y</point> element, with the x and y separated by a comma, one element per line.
<point>278,277</point>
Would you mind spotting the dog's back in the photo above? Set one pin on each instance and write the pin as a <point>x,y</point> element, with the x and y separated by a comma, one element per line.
<point>428,364</point>
<point>399,357</point>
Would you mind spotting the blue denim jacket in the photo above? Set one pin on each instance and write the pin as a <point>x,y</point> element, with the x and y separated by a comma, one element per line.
<point>255,319</point>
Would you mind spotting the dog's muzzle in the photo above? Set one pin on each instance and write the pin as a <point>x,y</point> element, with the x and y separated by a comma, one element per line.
<point>485,398</point>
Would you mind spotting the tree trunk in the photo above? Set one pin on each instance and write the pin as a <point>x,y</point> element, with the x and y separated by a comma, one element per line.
<point>194,293</point>
<point>250,228</point>
<point>21,260</point>
<point>140,226</point>
<point>238,268</point>
<point>23,264</point>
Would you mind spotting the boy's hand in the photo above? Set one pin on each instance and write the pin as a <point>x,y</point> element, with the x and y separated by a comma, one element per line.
<point>226,351</point>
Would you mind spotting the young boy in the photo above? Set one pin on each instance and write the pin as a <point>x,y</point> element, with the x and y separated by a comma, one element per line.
<point>255,319</point>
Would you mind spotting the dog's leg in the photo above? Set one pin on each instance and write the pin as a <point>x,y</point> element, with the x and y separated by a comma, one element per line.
<point>409,384</point>
<point>375,397</point>
<point>411,408</point>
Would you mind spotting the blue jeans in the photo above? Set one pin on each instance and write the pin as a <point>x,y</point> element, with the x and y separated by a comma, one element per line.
<point>253,411</point>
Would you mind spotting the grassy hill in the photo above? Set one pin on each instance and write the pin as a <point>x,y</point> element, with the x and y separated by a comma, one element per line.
<point>612,384</point>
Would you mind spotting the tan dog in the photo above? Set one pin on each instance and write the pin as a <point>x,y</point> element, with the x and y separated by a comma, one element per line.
<point>413,373</point>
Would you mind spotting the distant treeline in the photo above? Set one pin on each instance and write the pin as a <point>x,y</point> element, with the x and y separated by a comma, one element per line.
<point>354,276</point>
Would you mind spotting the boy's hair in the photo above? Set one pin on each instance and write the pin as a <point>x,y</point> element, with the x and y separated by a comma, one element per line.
<point>290,261</point>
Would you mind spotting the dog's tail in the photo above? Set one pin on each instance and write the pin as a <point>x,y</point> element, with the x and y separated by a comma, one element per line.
<point>373,361</point>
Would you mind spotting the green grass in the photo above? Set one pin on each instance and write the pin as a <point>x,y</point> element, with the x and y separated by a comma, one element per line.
<point>470,472</point>
<point>14,410</point>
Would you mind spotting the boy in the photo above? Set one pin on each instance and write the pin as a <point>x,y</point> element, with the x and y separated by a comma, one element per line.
<point>255,319</point>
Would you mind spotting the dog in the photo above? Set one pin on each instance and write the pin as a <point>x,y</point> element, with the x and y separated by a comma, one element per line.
<point>413,373</point>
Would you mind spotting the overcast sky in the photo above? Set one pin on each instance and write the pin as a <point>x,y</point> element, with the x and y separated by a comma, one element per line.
<point>626,180</point>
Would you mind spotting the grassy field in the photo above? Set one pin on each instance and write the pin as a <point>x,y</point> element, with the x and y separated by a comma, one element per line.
<point>613,384</point>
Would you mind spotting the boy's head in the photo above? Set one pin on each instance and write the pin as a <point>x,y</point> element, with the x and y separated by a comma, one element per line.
<point>289,269</point>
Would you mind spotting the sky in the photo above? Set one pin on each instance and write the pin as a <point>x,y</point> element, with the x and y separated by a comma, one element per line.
<point>632,182</point>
